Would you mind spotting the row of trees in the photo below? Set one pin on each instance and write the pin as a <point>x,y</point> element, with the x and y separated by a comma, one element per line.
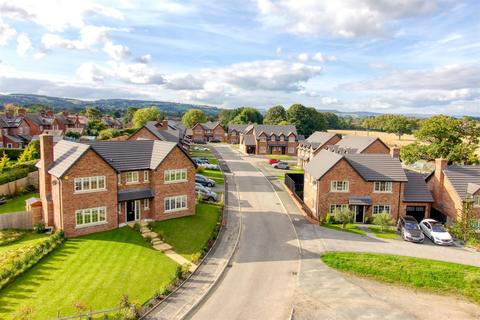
<point>396,124</point>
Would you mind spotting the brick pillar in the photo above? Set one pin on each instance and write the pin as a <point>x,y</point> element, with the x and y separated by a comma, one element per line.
<point>395,152</point>
<point>44,178</point>
<point>440,165</point>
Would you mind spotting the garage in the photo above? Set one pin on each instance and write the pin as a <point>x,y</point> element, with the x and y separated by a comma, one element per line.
<point>418,212</point>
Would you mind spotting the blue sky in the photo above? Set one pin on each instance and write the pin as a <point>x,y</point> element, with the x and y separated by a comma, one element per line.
<point>408,56</point>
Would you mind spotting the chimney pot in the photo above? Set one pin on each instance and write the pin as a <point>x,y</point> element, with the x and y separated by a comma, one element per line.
<point>395,152</point>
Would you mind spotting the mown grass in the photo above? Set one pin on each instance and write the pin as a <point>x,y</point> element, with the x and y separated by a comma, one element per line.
<point>385,234</point>
<point>280,156</point>
<point>350,227</point>
<point>188,235</point>
<point>94,270</point>
<point>215,175</point>
<point>25,238</point>
<point>16,204</point>
<point>430,275</point>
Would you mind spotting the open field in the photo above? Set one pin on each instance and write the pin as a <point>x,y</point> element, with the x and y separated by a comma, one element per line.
<point>17,203</point>
<point>389,138</point>
<point>429,275</point>
<point>93,270</point>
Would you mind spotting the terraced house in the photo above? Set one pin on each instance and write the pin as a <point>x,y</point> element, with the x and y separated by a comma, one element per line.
<point>91,187</point>
<point>234,131</point>
<point>269,139</point>
<point>367,184</point>
<point>208,131</point>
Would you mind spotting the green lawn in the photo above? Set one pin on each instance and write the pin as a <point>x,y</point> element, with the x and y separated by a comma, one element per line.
<point>25,239</point>
<point>387,234</point>
<point>280,156</point>
<point>280,173</point>
<point>96,270</point>
<point>195,153</point>
<point>350,227</point>
<point>16,204</point>
<point>188,235</point>
<point>431,275</point>
<point>215,175</point>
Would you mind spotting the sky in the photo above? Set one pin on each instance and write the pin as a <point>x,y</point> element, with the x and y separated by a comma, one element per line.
<point>402,56</point>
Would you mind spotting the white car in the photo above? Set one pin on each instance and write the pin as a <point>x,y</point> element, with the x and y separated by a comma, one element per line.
<point>196,148</point>
<point>435,231</point>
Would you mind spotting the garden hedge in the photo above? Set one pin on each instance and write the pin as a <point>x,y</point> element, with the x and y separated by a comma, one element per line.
<point>17,171</point>
<point>13,154</point>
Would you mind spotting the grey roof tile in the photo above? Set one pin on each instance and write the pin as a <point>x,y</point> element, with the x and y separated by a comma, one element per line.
<point>317,139</point>
<point>460,176</point>
<point>270,129</point>
<point>416,189</point>
<point>135,194</point>
<point>377,167</point>
<point>357,143</point>
<point>322,163</point>
<point>65,154</point>
<point>237,127</point>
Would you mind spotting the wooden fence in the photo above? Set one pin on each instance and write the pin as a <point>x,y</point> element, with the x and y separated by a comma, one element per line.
<point>15,186</point>
<point>16,220</point>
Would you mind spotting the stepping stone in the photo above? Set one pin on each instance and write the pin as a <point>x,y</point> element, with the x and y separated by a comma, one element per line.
<point>162,247</point>
<point>156,241</point>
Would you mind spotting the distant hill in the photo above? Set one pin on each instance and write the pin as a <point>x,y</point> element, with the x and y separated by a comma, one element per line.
<point>58,104</point>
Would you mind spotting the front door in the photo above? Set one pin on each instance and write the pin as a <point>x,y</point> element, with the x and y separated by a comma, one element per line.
<point>358,214</point>
<point>133,210</point>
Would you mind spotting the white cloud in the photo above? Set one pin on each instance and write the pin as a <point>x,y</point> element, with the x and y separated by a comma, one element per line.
<point>184,82</point>
<point>116,51</point>
<point>303,57</point>
<point>6,33</point>
<point>343,18</point>
<point>321,58</point>
<point>329,101</point>
<point>135,73</point>
<point>23,44</point>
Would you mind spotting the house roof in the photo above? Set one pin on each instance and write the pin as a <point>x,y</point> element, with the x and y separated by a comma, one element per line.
<point>65,154</point>
<point>210,125</point>
<point>171,134</point>
<point>317,139</point>
<point>416,189</point>
<point>135,194</point>
<point>237,127</point>
<point>360,200</point>
<point>371,167</point>
<point>10,122</point>
<point>270,129</point>
<point>355,144</point>
<point>460,176</point>
<point>249,140</point>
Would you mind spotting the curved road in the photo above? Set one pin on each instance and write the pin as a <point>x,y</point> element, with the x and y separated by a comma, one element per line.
<point>262,279</point>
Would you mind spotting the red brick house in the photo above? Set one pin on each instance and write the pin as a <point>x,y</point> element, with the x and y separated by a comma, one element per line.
<point>311,146</point>
<point>269,139</point>
<point>14,131</point>
<point>234,132</point>
<point>38,122</point>
<point>360,144</point>
<point>367,184</point>
<point>98,186</point>
<point>164,130</point>
<point>208,131</point>
<point>453,187</point>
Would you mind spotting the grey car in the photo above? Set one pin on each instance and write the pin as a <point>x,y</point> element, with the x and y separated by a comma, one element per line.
<point>281,165</point>
<point>206,193</point>
<point>410,230</point>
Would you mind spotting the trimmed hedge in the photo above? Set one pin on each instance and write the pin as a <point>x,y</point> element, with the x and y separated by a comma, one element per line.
<point>17,171</point>
<point>14,263</point>
<point>13,154</point>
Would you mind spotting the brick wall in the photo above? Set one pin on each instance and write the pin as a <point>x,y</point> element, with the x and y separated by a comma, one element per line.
<point>198,133</point>
<point>219,133</point>
<point>377,147</point>
<point>143,134</point>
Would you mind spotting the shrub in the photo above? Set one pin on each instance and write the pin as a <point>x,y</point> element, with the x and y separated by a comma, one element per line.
<point>151,225</point>
<point>9,236</point>
<point>148,239</point>
<point>13,154</point>
<point>383,220</point>
<point>25,313</point>
<point>200,169</point>
<point>195,257</point>
<point>369,220</point>
<point>31,152</point>
<point>39,228</point>
<point>343,216</point>
<point>161,235</point>
<point>330,219</point>
<point>137,227</point>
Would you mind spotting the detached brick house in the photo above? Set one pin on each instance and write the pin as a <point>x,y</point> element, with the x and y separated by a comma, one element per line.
<point>311,146</point>
<point>269,139</point>
<point>164,131</point>
<point>209,131</point>
<point>360,144</point>
<point>453,186</point>
<point>86,188</point>
<point>234,131</point>
<point>367,184</point>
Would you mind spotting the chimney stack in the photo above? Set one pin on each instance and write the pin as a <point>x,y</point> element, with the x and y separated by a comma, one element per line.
<point>50,113</point>
<point>44,178</point>
<point>395,152</point>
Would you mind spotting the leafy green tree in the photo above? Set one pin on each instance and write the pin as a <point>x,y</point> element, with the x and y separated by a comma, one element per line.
<point>127,118</point>
<point>284,123</point>
<point>384,220</point>
<point>94,127</point>
<point>192,117</point>
<point>248,115</point>
<point>31,152</point>
<point>343,216</point>
<point>141,116</point>
<point>306,120</point>
<point>93,113</point>
<point>398,125</point>
<point>73,134</point>
<point>4,160</point>
<point>108,134</point>
<point>226,115</point>
<point>275,115</point>
<point>332,121</point>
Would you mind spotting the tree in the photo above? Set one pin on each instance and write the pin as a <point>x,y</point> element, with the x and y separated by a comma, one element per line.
<point>332,121</point>
<point>192,117</point>
<point>108,134</point>
<point>306,120</point>
<point>384,220</point>
<point>73,134</point>
<point>142,116</point>
<point>31,152</point>
<point>343,216</point>
<point>226,115</point>
<point>93,113</point>
<point>127,118</point>
<point>275,115</point>
<point>248,115</point>
<point>398,125</point>
<point>4,160</point>
<point>94,127</point>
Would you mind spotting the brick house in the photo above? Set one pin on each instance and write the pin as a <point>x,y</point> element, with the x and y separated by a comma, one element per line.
<point>164,130</point>
<point>98,186</point>
<point>360,144</point>
<point>208,131</point>
<point>269,139</point>
<point>234,131</point>
<point>367,184</point>
<point>311,146</point>
<point>47,120</point>
<point>452,187</point>
<point>111,122</point>
<point>15,132</point>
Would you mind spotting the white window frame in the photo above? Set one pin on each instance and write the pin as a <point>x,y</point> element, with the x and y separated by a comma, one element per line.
<point>334,206</point>
<point>380,208</point>
<point>291,138</point>
<point>132,177</point>
<point>9,145</point>
<point>382,187</point>
<point>85,184</point>
<point>273,137</point>
<point>339,186</point>
<point>146,204</point>
<point>175,203</point>
<point>175,176</point>
<point>282,137</point>
<point>291,150</point>
<point>88,214</point>
<point>476,201</point>
<point>263,138</point>
<point>146,176</point>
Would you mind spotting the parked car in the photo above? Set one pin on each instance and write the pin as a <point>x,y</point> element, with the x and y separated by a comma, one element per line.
<point>281,165</point>
<point>210,166</point>
<point>198,148</point>
<point>204,181</point>
<point>435,231</point>
<point>272,161</point>
<point>410,230</point>
<point>200,161</point>
<point>199,185</point>
<point>206,193</point>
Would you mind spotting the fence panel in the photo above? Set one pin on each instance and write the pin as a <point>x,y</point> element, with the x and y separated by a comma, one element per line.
<point>16,220</point>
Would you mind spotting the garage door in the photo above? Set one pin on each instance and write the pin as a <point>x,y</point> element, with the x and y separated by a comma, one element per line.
<point>418,212</point>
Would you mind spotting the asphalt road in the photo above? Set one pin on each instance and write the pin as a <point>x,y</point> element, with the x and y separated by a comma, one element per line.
<point>262,279</point>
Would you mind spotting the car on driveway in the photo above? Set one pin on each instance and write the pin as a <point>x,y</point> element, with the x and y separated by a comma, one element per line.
<point>197,148</point>
<point>204,181</point>
<point>410,230</point>
<point>272,161</point>
<point>435,231</point>
<point>205,193</point>
<point>281,165</point>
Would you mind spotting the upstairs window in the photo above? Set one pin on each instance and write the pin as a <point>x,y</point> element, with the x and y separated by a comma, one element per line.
<point>291,138</point>
<point>132,177</point>
<point>145,176</point>
<point>175,175</point>
<point>339,186</point>
<point>89,184</point>
<point>382,186</point>
<point>263,138</point>
<point>273,138</point>
<point>476,201</point>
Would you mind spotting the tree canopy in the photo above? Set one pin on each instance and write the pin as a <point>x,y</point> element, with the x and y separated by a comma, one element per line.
<point>275,115</point>
<point>306,120</point>
<point>141,116</point>
<point>93,113</point>
<point>247,115</point>
<point>396,124</point>
<point>127,118</point>
<point>192,117</point>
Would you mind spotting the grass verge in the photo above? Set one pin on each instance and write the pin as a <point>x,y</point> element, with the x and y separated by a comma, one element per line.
<point>16,204</point>
<point>430,275</point>
<point>386,234</point>
<point>94,270</point>
<point>189,235</point>
<point>215,175</point>
<point>348,228</point>
<point>16,239</point>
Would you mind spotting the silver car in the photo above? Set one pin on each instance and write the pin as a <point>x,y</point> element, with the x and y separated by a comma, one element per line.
<point>281,165</point>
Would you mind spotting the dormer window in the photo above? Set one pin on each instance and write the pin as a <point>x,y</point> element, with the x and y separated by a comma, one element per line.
<point>476,201</point>
<point>263,138</point>
<point>291,138</point>
<point>273,138</point>
<point>282,138</point>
